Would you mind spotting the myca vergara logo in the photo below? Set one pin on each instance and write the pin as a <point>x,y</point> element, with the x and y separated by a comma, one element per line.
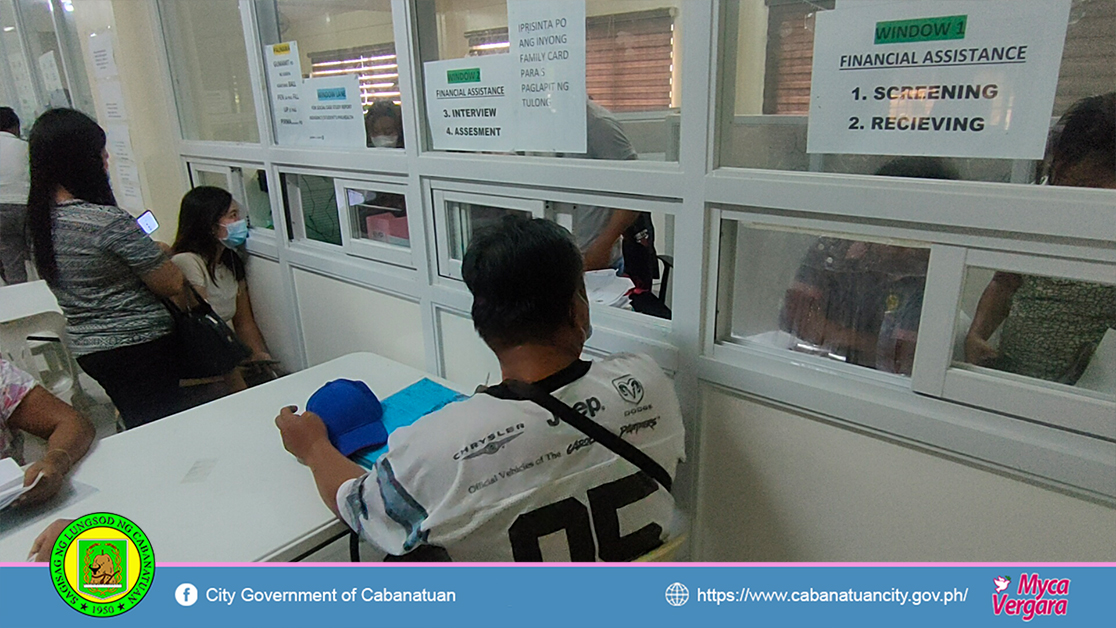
<point>102,565</point>
<point>1035,596</point>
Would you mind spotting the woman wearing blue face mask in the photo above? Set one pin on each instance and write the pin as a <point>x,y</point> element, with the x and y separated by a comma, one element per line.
<point>210,230</point>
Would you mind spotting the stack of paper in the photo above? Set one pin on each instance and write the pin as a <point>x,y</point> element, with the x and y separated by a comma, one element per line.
<point>604,287</point>
<point>11,482</point>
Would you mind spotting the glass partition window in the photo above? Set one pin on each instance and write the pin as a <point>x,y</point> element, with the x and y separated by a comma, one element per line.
<point>248,186</point>
<point>1052,329</point>
<point>311,203</point>
<point>379,216</point>
<point>377,225</point>
<point>209,68</point>
<point>459,216</point>
<point>628,254</point>
<point>766,83</point>
<point>336,39</point>
<point>847,299</point>
<point>632,66</point>
<point>256,198</point>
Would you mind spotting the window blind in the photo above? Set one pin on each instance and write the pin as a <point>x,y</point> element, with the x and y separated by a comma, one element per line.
<point>629,58</point>
<point>375,65</point>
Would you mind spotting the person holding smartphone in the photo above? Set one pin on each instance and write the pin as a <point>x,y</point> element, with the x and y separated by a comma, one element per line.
<point>210,230</point>
<point>109,277</point>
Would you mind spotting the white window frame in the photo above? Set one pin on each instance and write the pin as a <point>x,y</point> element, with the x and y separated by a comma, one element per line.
<point>297,218</point>
<point>449,267</point>
<point>363,247</point>
<point>938,374</point>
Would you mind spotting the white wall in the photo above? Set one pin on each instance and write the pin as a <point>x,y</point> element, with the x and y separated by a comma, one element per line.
<point>465,357</point>
<point>340,318</point>
<point>777,486</point>
<point>152,118</point>
<point>272,312</point>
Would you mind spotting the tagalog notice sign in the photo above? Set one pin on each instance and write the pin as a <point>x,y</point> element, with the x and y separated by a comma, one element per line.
<point>548,50</point>
<point>944,78</point>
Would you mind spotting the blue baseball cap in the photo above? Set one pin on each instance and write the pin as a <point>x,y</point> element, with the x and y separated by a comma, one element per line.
<point>352,415</point>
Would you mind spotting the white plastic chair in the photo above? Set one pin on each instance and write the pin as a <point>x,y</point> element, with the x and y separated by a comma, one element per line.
<point>664,553</point>
<point>37,344</point>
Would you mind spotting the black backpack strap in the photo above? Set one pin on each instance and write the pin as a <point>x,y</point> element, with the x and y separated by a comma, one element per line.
<point>587,426</point>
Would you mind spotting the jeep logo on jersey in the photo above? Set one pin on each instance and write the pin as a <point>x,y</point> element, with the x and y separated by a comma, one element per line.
<point>491,443</point>
<point>629,388</point>
<point>588,408</point>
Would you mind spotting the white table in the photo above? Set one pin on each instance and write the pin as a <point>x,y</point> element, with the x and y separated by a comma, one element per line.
<point>246,499</point>
<point>26,299</point>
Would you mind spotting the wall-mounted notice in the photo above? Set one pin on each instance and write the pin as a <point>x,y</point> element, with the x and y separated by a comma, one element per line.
<point>548,49</point>
<point>284,77</point>
<point>112,99</point>
<point>25,89</point>
<point>125,170</point>
<point>332,111</point>
<point>944,77</point>
<point>100,49</point>
<point>468,103</point>
<point>48,66</point>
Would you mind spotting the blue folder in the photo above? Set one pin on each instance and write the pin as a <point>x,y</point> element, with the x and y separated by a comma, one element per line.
<point>404,408</point>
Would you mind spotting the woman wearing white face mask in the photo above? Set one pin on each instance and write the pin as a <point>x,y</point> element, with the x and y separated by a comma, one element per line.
<point>383,123</point>
<point>210,229</point>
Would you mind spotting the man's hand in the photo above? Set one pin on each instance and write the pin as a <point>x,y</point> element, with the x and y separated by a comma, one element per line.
<point>301,433</point>
<point>44,543</point>
<point>978,351</point>
<point>598,255</point>
<point>53,470</point>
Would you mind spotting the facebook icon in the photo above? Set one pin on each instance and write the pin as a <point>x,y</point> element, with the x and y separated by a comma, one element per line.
<point>186,594</point>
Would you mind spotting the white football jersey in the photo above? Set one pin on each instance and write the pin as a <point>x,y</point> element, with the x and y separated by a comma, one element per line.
<point>490,479</point>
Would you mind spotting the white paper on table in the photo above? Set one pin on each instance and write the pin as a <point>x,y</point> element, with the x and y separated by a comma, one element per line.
<point>606,288</point>
<point>11,482</point>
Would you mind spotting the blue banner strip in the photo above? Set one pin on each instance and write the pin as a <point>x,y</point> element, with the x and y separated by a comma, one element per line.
<point>613,596</point>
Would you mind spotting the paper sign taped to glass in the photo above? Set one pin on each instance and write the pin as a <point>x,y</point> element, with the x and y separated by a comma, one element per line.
<point>943,78</point>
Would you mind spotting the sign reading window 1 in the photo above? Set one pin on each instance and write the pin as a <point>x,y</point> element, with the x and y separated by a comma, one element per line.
<point>947,78</point>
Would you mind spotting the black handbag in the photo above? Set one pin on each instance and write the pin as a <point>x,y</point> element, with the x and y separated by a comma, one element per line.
<point>207,347</point>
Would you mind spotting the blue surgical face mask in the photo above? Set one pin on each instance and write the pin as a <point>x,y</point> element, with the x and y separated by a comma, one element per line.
<point>236,233</point>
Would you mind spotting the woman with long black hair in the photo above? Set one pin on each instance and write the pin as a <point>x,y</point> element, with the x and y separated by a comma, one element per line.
<point>210,230</point>
<point>106,273</point>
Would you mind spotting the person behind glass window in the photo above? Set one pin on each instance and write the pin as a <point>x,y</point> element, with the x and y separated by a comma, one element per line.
<point>383,125</point>
<point>860,302</point>
<point>109,277</point>
<point>14,185</point>
<point>1051,326</point>
<point>27,407</point>
<point>487,478</point>
<point>597,230</point>
<point>210,231</point>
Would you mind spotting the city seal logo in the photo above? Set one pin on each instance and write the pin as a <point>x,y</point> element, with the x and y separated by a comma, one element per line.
<point>102,565</point>
<point>629,388</point>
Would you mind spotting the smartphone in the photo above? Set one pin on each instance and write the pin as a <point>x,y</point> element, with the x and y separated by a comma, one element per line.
<point>147,222</point>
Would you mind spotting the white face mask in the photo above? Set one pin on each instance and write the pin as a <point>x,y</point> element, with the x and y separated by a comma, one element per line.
<point>588,331</point>
<point>385,141</point>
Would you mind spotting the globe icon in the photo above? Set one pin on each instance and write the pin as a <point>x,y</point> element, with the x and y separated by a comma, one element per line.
<point>677,594</point>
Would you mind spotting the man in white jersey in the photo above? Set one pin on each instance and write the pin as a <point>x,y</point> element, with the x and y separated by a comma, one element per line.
<point>496,479</point>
